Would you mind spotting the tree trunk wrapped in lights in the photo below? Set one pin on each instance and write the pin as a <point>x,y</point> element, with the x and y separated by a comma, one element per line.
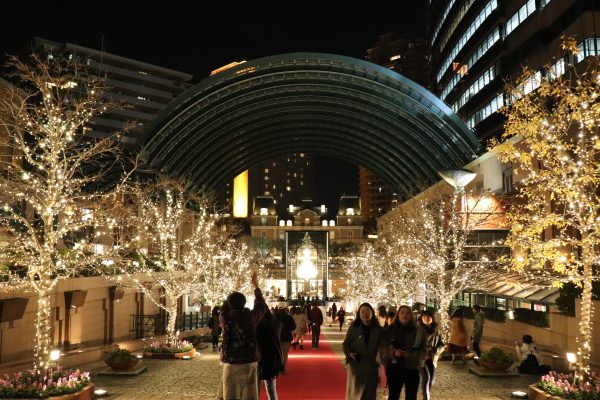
<point>432,235</point>
<point>49,177</point>
<point>554,144</point>
<point>178,240</point>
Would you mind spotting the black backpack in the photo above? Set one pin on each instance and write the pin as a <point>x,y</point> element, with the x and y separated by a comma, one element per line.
<point>237,347</point>
<point>530,365</point>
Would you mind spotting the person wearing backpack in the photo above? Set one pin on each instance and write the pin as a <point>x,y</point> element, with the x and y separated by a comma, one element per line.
<point>215,328</point>
<point>240,353</point>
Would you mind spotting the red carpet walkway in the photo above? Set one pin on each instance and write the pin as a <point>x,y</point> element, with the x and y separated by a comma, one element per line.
<point>312,374</point>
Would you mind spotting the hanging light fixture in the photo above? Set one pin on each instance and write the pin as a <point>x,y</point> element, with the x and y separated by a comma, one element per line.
<point>307,269</point>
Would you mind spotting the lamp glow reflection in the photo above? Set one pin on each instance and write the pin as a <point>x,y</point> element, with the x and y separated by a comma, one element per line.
<point>100,392</point>
<point>306,269</point>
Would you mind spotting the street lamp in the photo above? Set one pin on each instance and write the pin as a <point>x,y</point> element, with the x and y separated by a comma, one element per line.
<point>458,178</point>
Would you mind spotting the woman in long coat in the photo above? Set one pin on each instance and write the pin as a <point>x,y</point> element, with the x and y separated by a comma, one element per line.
<point>362,346</point>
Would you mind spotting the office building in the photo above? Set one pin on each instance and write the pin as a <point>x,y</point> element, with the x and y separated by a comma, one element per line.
<point>477,44</point>
<point>408,55</point>
<point>143,89</point>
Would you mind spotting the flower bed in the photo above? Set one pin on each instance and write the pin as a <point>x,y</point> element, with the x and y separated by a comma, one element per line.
<point>29,385</point>
<point>120,360</point>
<point>496,360</point>
<point>564,386</point>
<point>164,350</point>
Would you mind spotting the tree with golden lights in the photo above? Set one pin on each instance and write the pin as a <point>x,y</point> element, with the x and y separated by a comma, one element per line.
<point>552,138</point>
<point>178,241</point>
<point>432,235</point>
<point>52,177</point>
<point>364,280</point>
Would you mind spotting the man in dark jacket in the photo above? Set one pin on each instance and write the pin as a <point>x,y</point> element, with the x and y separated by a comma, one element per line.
<point>289,326</point>
<point>316,320</point>
<point>240,352</point>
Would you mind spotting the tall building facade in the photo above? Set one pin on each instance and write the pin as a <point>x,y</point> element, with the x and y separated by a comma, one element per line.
<point>408,55</point>
<point>477,44</point>
<point>289,180</point>
<point>143,89</point>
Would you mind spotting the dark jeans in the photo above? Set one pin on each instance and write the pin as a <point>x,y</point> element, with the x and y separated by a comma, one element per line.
<point>410,378</point>
<point>427,378</point>
<point>316,331</point>
<point>215,341</point>
<point>341,320</point>
<point>476,349</point>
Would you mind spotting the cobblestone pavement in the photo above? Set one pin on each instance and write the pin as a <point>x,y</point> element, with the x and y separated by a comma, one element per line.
<point>198,379</point>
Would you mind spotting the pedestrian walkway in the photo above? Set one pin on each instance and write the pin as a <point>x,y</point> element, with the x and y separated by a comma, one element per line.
<point>312,374</point>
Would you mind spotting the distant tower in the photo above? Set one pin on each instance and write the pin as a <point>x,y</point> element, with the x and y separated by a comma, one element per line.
<point>409,56</point>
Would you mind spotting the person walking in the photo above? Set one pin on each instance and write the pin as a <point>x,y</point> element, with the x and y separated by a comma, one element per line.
<point>268,333</point>
<point>434,347</point>
<point>215,328</point>
<point>362,345</point>
<point>333,314</point>
<point>457,344</point>
<point>405,351</point>
<point>301,327</point>
<point>287,332</point>
<point>239,353</point>
<point>316,320</point>
<point>478,321</point>
<point>341,314</point>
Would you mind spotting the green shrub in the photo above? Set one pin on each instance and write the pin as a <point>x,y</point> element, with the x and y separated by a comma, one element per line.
<point>532,317</point>
<point>493,314</point>
<point>497,355</point>
<point>118,355</point>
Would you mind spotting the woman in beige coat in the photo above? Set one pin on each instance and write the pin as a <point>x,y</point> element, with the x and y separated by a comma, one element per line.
<point>362,347</point>
<point>457,344</point>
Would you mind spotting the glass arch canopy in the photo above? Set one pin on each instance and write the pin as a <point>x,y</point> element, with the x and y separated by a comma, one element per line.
<point>313,103</point>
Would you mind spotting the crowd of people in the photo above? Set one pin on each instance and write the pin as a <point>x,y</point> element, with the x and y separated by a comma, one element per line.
<point>397,348</point>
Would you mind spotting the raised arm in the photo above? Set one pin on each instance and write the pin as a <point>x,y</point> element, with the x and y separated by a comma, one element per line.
<point>260,306</point>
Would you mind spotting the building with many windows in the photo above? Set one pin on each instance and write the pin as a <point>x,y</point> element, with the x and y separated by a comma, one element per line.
<point>143,89</point>
<point>408,55</point>
<point>477,44</point>
<point>288,180</point>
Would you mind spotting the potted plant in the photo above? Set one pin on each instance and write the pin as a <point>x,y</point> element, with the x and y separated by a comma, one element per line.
<point>496,360</point>
<point>59,384</point>
<point>120,359</point>
<point>160,349</point>
<point>557,385</point>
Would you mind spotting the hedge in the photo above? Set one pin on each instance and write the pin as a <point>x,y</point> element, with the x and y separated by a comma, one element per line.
<point>532,317</point>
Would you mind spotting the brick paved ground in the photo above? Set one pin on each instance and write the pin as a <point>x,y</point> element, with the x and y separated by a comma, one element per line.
<point>198,379</point>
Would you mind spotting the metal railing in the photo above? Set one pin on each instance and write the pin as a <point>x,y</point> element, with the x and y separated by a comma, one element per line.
<point>145,325</point>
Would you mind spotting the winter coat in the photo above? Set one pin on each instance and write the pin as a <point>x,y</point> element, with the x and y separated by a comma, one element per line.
<point>434,345</point>
<point>301,322</point>
<point>458,332</point>
<point>239,331</point>
<point>289,326</point>
<point>315,316</point>
<point>408,338</point>
<point>363,374</point>
<point>478,321</point>
<point>268,333</point>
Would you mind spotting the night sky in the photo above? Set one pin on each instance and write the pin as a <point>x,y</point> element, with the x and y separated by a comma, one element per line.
<point>197,37</point>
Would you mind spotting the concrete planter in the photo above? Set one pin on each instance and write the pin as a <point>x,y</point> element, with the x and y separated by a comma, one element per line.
<point>87,393</point>
<point>494,366</point>
<point>537,394</point>
<point>123,366</point>
<point>170,356</point>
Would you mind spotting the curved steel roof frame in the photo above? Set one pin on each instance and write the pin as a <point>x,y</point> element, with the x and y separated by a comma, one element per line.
<point>313,103</point>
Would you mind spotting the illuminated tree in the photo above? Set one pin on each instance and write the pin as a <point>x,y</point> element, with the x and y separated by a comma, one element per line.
<point>179,241</point>
<point>52,176</point>
<point>552,138</point>
<point>432,235</point>
<point>365,282</point>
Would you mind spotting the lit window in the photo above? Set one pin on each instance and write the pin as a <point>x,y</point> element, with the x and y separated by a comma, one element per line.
<point>263,221</point>
<point>520,16</point>
<point>306,221</point>
<point>266,170</point>
<point>281,222</point>
<point>264,211</point>
<point>295,175</point>
<point>291,208</point>
<point>141,98</point>
<point>323,208</point>
<point>486,111</point>
<point>289,189</point>
<point>349,211</point>
<point>301,183</point>
<point>301,154</point>
<point>267,193</point>
<point>100,248</point>
<point>396,57</point>
<point>557,69</point>
<point>324,222</point>
<point>332,223</point>
<point>289,222</point>
<point>274,186</point>
<point>266,178</point>
<point>87,214</point>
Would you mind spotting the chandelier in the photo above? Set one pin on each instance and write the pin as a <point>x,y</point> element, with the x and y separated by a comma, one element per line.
<point>307,253</point>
